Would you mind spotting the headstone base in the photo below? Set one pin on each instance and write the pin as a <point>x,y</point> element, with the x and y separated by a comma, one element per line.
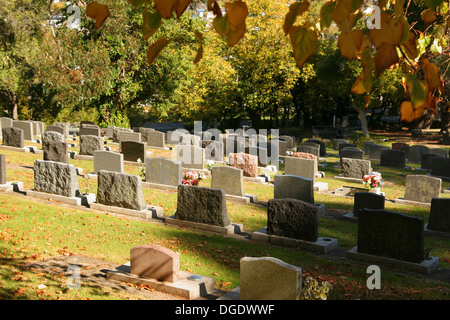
<point>322,245</point>
<point>412,203</point>
<point>427,266</point>
<point>151,185</point>
<point>433,233</point>
<point>350,216</point>
<point>16,186</point>
<point>151,212</point>
<point>339,177</point>
<point>233,228</point>
<point>184,287</point>
<point>447,190</point>
<point>78,201</point>
<point>234,294</point>
<point>17,149</point>
<point>320,187</point>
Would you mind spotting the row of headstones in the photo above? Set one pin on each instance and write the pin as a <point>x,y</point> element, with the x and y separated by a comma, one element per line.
<point>261,278</point>
<point>439,218</point>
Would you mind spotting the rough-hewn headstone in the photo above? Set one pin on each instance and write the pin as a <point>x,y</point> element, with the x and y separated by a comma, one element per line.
<point>439,215</point>
<point>120,190</point>
<point>163,171</point>
<point>133,150</point>
<point>56,151</point>
<point>228,179</point>
<point>55,178</point>
<point>246,162</point>
<point>12,137</point>
<point>367,200</point>
<point>109,161</point>
<point>422,188</point>
<point>393,158</point>
<point>355,168</point>
<point>53,136</point>
<point>294,187</point>
<point>269,278</point>
<point>292,218</point>
<point>89,144</point>
<point>202,205</point>
<point>390,234</point>
<point>155,262</point>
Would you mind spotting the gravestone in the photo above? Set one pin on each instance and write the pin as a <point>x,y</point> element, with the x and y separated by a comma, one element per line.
<point>191,156</point>
<point>352,153</point>
<point>304,155</point>
<point>322,144</point>
<point>202,205</point>
<point>228,179</point>
<point>56,151</point>
<point>393,158</point>
<point>294,187</point>
<point>292,218</point>
<point>439,215</point>
<point>347,145</point>
<point>57,129</point>
<point>89,130</point>
<point>375,151</point>
<point>55,178</point>
<point>260,153</point>
<point>65,126</point>
<point>233,145</point>
<point>282,146</point>
<point>391,234</point>
<point>83,122</point>
<point>12,137</point>
<point>290,141</point>
<point>422,188</point>
<point>155,139</point>
<point>163,171</point>
<point>439,151</point>
<point>355,168</point>
<point>414,153</point>
<point>441,167</point>
<point>367,200</point>
<point>307,147</point>
<point>301,167</point>
<point>6,122</point>
<point>53,136</point>
<point>133,150</point>
<point>213,150</point>
<point>116,132</point>
<point>144,131</point>
<point>129,136</point>
<point>2,169</point>
<point>337,142</point>
<point>400,146</point>
<point>89,144</point>
<point>27,127</point>
<point>120,190</point>
<point>366,146</point>
<point>246,162</point>
<point>155,262</point>
<point>427,160</point>
<point>109,161</point>
<point>269,278</point>
<point>188,139</point>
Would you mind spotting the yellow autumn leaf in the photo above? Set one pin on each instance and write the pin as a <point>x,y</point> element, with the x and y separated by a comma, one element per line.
<point>236,13</point>
<point>408,113</point>
<point>234,34</point>
<point>304,43</point>
<point>341,11</point>
<point>410,46</point>
<point>295,9</point>
<point>154,50</point>
<point>165,7</point>
<point>99,12</point>
<point>181,6</point>
<point>199,55</point>
<point>385,56</point>
<point>428,16</point>
<point>349,43</point>
<point>432,75</point>
<point>362,84</point>
<point>326,12</point>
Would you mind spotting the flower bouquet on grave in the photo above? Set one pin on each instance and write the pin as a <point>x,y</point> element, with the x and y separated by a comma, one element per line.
<point>373,180</point>
<point>192,178</point>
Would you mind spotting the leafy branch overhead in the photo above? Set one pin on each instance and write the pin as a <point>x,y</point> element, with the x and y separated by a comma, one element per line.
<point>382,36</point>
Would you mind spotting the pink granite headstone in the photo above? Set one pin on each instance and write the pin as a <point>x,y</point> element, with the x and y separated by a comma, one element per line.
<point>154,262</point>
<point>247,162</point>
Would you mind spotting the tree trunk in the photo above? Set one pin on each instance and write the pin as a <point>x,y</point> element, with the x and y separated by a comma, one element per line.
<point>14,113</point>
<point>363,118</point>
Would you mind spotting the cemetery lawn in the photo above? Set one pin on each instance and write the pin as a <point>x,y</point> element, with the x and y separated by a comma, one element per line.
<point>34,230</point>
